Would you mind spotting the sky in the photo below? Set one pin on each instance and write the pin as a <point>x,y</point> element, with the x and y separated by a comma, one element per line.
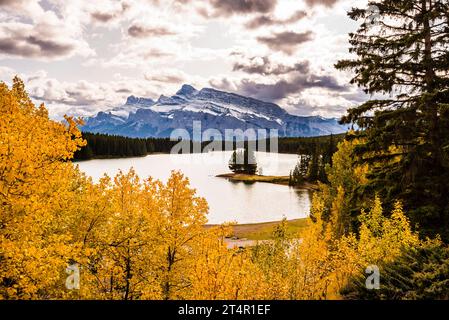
<point>84,56</point>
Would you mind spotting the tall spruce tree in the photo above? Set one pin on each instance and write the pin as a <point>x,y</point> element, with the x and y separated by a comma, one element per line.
<point>404,56</point>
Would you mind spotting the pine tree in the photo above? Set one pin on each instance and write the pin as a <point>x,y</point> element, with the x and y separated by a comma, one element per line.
<point>243,161</point>
<point>405,56</point>
<point>330,150</point>
<point>419,273</point>
<point>300,172</point>
<point>315,163</point>
<point>296,178</point>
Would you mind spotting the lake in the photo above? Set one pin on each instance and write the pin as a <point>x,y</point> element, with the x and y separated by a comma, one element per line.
<point>228,201</point>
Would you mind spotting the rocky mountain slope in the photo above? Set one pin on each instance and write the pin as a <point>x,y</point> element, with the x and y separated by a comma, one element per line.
<point>140,117</point>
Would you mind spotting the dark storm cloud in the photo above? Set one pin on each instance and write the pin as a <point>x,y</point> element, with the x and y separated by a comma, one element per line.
<point>139,31</point>
<point>327,3</point>
<point>268,20</point>
<point>286,41</point>
<point>264,66</point>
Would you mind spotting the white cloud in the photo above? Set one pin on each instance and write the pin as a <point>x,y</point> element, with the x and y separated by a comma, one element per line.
<point>150,47</point>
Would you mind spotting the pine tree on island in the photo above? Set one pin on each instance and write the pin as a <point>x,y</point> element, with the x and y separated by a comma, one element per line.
<point>243,161</point>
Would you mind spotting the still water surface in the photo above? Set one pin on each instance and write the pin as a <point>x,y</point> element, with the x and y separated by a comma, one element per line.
<point>228,201</point>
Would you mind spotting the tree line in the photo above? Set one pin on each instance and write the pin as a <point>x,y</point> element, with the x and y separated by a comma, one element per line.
<point>112,146</point>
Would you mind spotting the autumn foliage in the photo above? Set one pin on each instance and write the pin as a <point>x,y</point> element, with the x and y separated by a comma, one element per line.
<point>135,238</point>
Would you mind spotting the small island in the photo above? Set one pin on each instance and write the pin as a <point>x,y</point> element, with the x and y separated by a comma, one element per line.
<point>243,165</point>
<point>282,180</point>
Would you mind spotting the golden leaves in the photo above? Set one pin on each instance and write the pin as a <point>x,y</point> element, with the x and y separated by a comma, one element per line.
<point>33,182</point>
<point>144,239</point>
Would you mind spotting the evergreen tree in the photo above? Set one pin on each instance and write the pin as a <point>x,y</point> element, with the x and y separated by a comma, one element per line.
<point>315,163</point>
<point>418,274</point>
<point>243,161</point>
<point>304,162</point>
<point>406,136</point>
<point>330,150</point>
<point>300,173</point>
<point>296,177</point>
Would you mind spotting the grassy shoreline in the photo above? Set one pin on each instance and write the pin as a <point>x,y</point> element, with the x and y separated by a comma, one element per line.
<point>264,231</point>
<point>281,180</point>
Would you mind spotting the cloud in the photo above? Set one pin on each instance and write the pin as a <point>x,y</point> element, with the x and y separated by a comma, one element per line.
<point>326,3</point>
<point>227,8</point>
<point>9,3</point>
<point>281,88</point>
<point>83,97</point>
<point>87,98</point>
<point>104,16</point>
<point>21,7</point>
<point>166,76</point>
<point>321,102</point>
<point>268,20</point>
<point>41,30</point>
<point>6,74</point>
<point>286,41</point>
<point>42,41</point>
<point>141,31</point>
<point>159,44</point>
<point>264,66</point>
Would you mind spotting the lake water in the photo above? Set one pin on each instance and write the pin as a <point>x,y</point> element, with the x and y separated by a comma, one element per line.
<point>228,201</point>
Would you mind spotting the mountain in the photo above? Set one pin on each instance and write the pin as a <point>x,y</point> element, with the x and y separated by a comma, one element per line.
<point>140,117</point>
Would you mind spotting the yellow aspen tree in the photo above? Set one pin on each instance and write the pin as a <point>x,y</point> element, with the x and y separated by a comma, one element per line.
<point>339,217</point>
<point>382,238</point>
<point>34,166</point>
<point>313,258</point>
<point>346,262</point>
<point>124,242</point>
<point>279,263</point>
<point>219,273</point>
<point>183,216</point>
<point>345,176</point>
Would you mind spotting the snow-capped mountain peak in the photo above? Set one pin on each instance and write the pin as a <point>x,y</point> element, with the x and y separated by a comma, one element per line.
<point>186,90</point>
<point>215,109</point>
<point>132,100</point>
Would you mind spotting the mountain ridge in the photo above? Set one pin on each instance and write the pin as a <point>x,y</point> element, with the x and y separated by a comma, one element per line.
<point>215,109</point>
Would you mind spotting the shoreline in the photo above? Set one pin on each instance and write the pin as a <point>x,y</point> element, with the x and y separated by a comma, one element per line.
<point>280,180</point>
<point>261,231</point>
